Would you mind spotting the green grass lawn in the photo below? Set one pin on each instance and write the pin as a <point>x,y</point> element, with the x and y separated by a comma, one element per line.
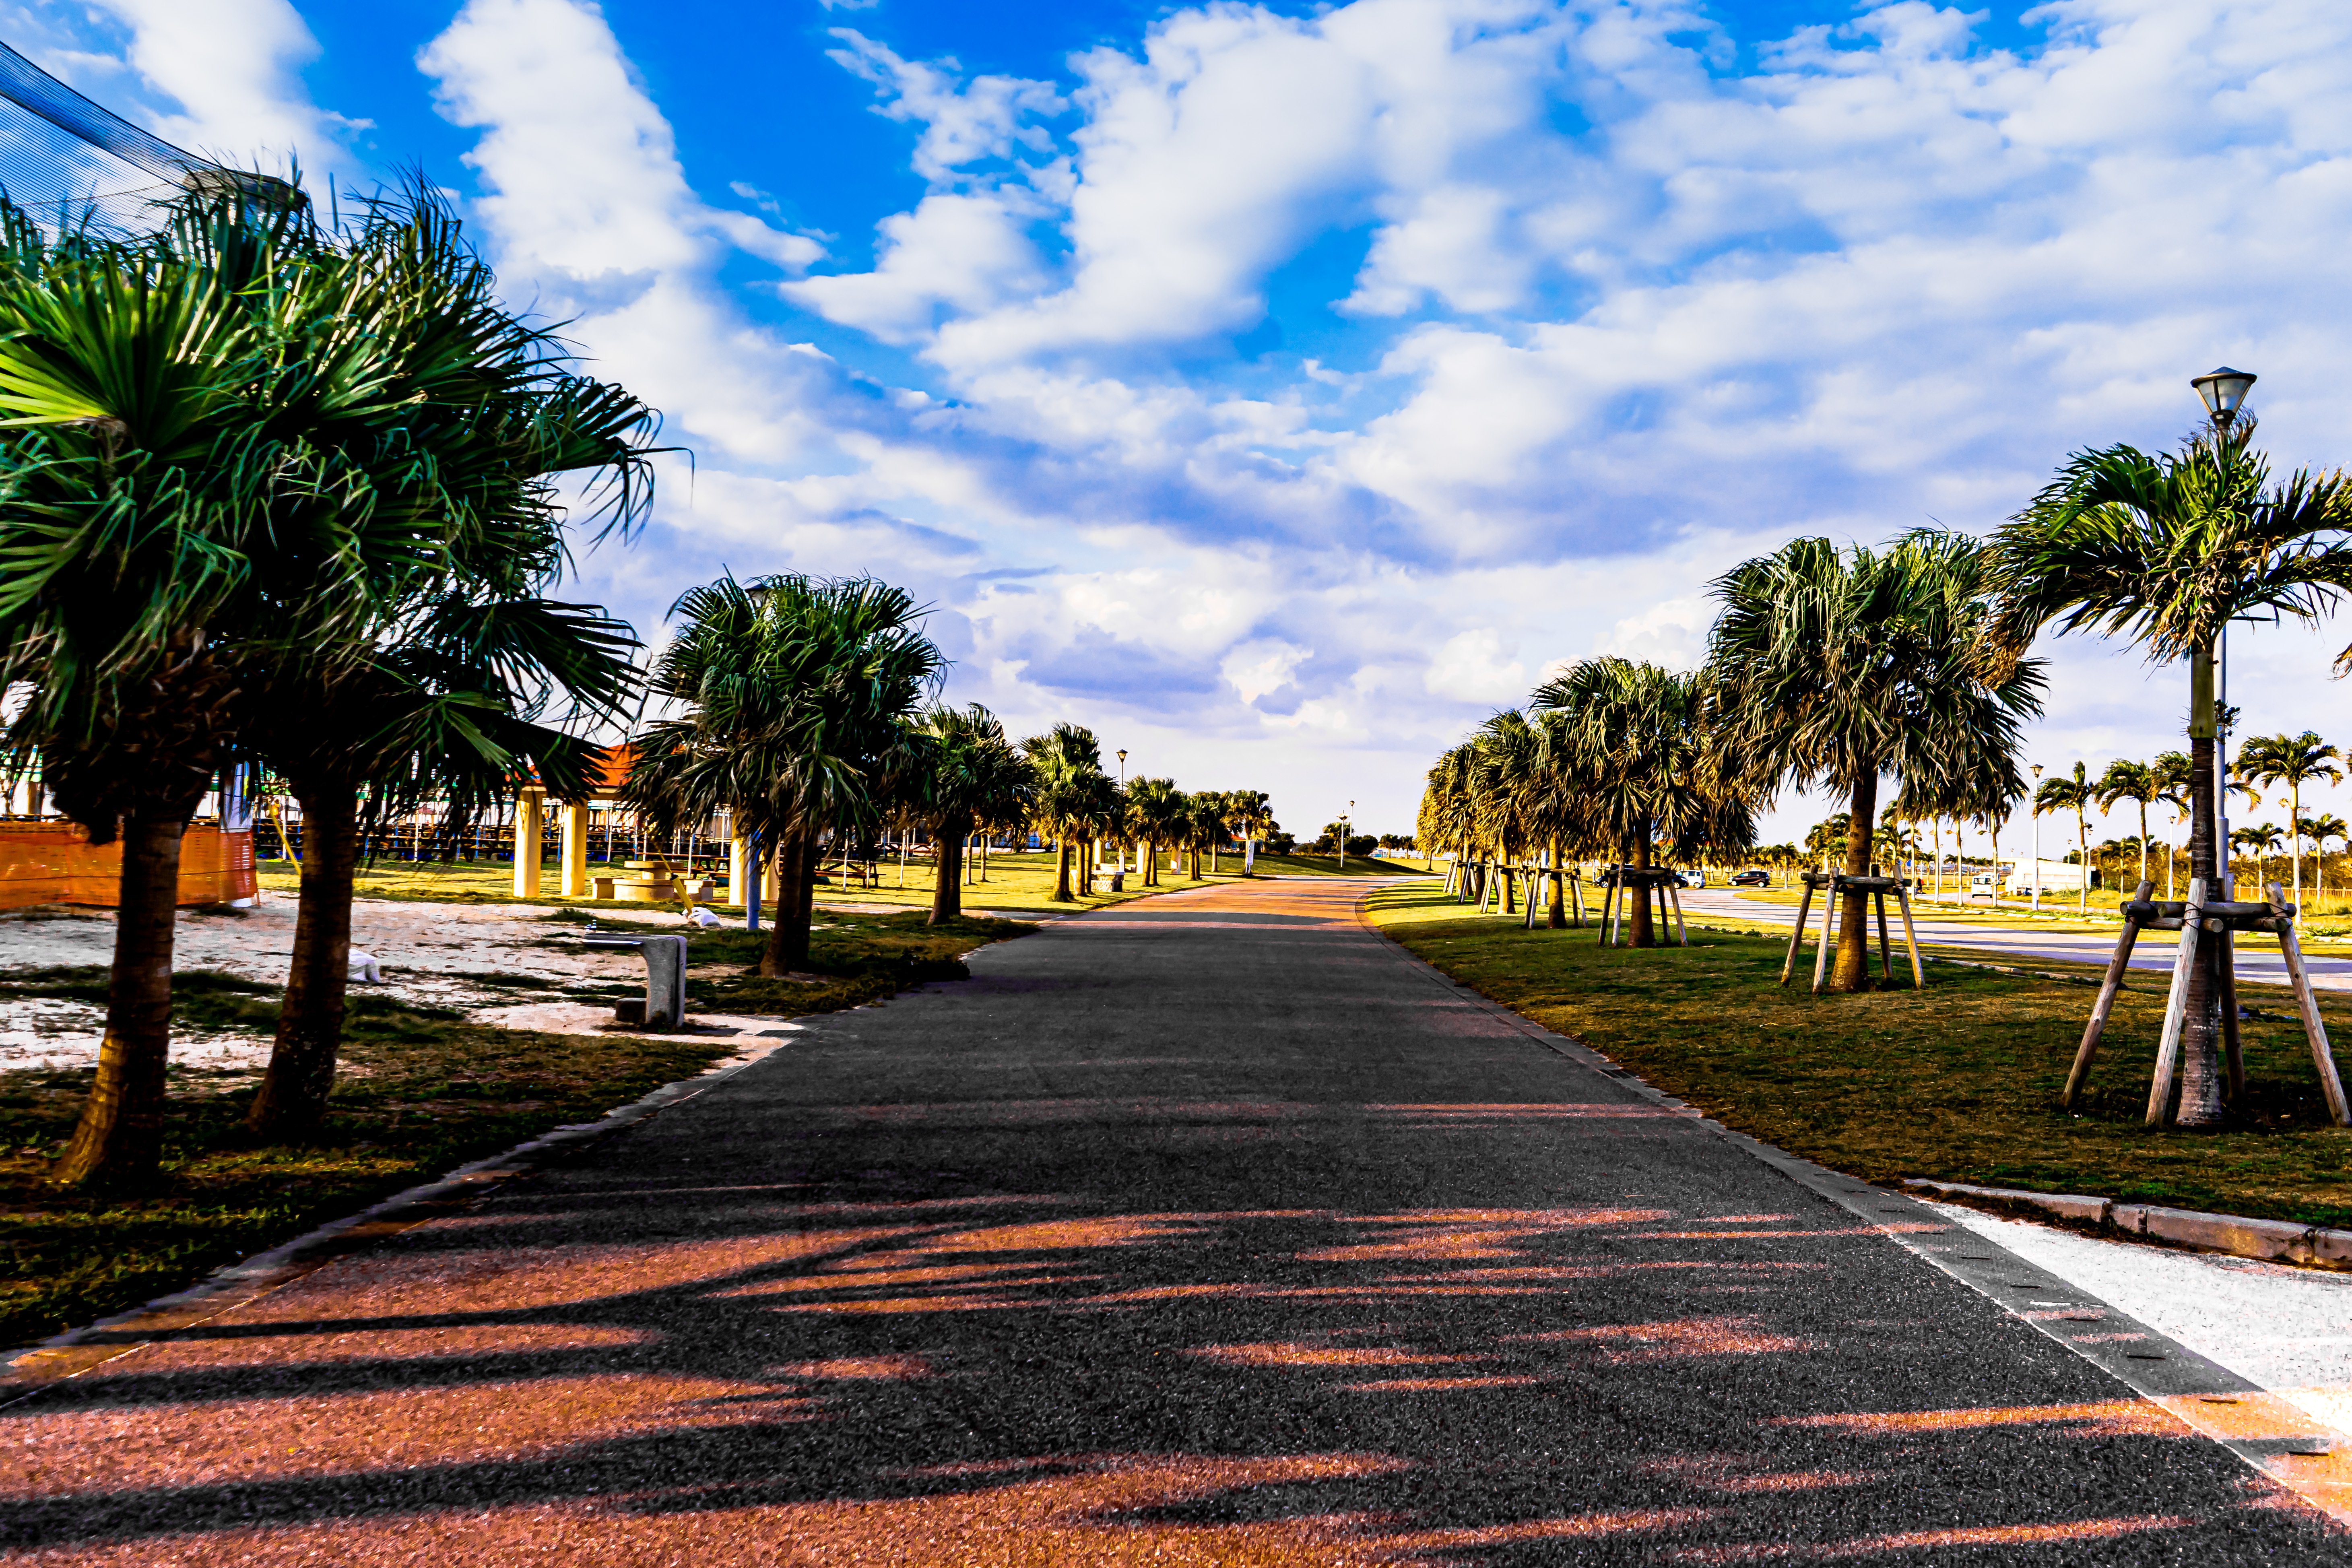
<point>422,1091</point>
<point>1015,882</point>
<point>1959,1082</point>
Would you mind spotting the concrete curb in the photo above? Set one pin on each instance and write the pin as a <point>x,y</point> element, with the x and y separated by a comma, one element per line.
<point>77,1350</point>
<point>2274,1241</point>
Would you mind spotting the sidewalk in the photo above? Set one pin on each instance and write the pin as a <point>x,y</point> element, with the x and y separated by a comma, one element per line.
<point>2287,1329</point>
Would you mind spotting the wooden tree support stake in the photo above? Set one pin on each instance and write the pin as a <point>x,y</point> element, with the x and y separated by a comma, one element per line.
<point>1796,935</point>
<point>2322,1057</point>
<point>2176,1004</point>
<point>2106,1003</point>
<point>1674,893</point>
<point>1911,940</point>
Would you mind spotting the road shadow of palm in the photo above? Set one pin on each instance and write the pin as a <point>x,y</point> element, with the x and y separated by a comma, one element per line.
<point>837,1372</point>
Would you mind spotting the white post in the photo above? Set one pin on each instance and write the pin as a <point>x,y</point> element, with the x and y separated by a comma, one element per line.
<point>528,804</point>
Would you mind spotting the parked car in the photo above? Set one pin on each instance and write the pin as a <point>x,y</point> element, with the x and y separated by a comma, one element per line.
<point>1690,879</point>
<point>1752,880</point>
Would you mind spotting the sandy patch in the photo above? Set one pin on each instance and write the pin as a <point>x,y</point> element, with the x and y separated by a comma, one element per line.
<point>499,963</point>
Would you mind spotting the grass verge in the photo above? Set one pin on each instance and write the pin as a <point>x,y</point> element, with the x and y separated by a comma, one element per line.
<point>1021,880</point>
<point>1959,1082</point>
<point>421,1091</point>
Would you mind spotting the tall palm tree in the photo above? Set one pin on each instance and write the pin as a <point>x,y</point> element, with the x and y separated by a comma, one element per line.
<point>2076,794</point>
<point>2260,839</point>
<point>2169,549</point>
<point>2135,782</point>
<point>1656,768</point>
<point>1249,815</point>
<point>197,474</point>
<point>963,773</point>
<point>1446,820</point>
<point>2293,761</point>
<point>1837,667</point>
<point>439,692</point>
<point>2173,776</point>
<point>1068,762</point>
<point>1161,812</point>
<point>792,695</point>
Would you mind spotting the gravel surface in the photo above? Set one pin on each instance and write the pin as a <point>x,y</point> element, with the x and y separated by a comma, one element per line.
<point>1213,1229</point>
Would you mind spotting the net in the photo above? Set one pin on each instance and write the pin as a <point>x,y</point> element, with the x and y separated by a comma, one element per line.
<point>66,159</point>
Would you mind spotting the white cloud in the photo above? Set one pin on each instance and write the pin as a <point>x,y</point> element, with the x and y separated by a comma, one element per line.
<point>233,69</point>
<point>963,253</point>
<point>1476,666</point>
<point>966,123</point>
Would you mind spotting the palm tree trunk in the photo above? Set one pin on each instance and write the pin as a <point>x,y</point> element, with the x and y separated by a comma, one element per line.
<point>1062,869</point>
<point>120,1140</point>
<point>2201,1036</point>
<point>1644,932</point>
<point>788,938</point>
<point>946,895</point>
<point>1854,911</point>
<point>2143,841</point>
<point>293,1095</point>
<point>1557,919</point>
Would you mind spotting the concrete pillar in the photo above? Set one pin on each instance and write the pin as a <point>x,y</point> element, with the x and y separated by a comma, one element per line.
<point>575,850</point>
<point>528,805</point>
<point>664,981</point>
<point>738,873</point>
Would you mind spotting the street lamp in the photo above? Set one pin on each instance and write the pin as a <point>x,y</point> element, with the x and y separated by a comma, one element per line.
<point>2036,806</point>
<point>2223,390</point>
<point>2225,393</point>
<point>1346,819</point>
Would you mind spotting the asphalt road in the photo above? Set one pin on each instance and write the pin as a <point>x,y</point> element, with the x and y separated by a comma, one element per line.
<point>2258,956</point>
<point>1213,1229</point>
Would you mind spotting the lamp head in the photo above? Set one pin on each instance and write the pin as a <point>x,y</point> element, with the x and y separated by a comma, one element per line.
<point>2223,390</point>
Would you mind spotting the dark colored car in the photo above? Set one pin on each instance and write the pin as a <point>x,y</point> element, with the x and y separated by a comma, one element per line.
<point>1752,880</point>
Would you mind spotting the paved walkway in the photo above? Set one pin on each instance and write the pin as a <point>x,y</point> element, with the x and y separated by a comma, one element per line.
<point>2258,956</point>
<point>1207,1230</point>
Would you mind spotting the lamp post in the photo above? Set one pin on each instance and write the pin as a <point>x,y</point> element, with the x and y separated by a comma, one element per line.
<point>1122,784</point>
<point>2223,392</point>
<point>2036,806</point>
<point>1346,819</point>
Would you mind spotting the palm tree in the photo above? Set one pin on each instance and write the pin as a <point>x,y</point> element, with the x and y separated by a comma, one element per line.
<point>1446,821</point>
<point>2175,778</point>
<point>1206,829</point>
<point>1068,762</point>
<point>1655,771</point>
<point>439,692</point>
<point>2320,829</point>
<point>794,694</point>
<point>2169,549</point>
<point>1161,812</point>
<point>1837,667</point>
<point>2136,782</point>
<point>2259,837</point>
<point>1248,814</point>
<point>193,478</point>
<point>964,774</point>
<point>2293,761</point>
<point>2077,794</point>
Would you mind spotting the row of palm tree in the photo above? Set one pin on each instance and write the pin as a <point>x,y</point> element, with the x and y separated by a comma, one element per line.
<point>1827,668</point>
<point>803,706</point>
<point>278,488</point>
<point>1842,669</point>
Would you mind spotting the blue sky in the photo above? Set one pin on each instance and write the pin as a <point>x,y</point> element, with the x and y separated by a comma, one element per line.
<point>1281,389</point>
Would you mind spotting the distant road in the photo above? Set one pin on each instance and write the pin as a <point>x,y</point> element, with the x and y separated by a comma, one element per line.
<point>2258,956</point>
